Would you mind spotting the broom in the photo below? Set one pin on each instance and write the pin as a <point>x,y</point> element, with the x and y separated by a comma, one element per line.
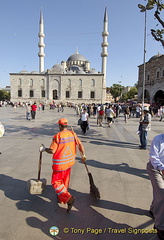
<point>93,189</point>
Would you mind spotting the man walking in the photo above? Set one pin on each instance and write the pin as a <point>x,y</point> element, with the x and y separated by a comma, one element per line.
<point>155,169</point>
<point>63,148</point>
<point>33,110</point>
<point>145,126</point>
<point>109,115</point>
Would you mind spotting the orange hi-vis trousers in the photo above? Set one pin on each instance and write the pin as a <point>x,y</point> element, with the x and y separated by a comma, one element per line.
<point>60,182</point>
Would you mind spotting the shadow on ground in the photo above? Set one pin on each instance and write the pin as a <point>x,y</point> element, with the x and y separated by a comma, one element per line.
<point>84,214</point>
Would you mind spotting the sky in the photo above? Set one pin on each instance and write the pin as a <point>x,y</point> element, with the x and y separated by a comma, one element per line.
<point>69,24</point>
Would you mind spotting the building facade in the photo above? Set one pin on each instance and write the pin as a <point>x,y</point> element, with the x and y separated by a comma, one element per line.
<point>154,80</point>
<point>71,81</point>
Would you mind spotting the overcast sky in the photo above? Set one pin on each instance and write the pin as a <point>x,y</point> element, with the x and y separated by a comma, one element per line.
<point>75,23</point>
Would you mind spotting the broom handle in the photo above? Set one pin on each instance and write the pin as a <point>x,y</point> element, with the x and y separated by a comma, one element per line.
<point>80,152</point>
<point>39,166</point>
<point>86,167</point>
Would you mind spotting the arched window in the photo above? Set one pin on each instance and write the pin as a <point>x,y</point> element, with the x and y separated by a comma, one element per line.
<point>163,72</point>
<point>69,83</point>
<point>20,82</point>
<point>31,82</point>
<point>92,83</point>
<point>80,83</point>
<point>158,73</point>
<point>43,83</point>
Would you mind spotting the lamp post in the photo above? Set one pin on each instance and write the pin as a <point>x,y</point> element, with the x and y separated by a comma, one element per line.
<point>144,9</point>
<point>119,90</point>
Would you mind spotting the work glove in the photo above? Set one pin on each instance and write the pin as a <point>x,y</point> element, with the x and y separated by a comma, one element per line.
<point>42,148</point>
<point>83,159</point>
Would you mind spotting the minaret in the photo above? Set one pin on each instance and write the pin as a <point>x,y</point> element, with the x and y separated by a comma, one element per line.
<point>41,44</point>
<point>104,53</point>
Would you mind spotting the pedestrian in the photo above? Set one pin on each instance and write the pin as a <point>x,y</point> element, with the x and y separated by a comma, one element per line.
<point>161,113</point>
<point>109,115</point>
<point>155,169</point>
<point>62,107</point>
<point>100,116</point>
<point>144,127</point>
<point>28,112</point>
<point>63,148</point>
<point>84,120</point>
<point>33,110</point>
<point>138,111</point>
<point>126,113</point>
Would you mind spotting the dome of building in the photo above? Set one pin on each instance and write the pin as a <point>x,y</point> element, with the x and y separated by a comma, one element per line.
<point>23,71</point>
<point>58,67</point>
<point>93,71</point>
<point>76,57</point>
<point>34,72</point>
<point>156,56</point>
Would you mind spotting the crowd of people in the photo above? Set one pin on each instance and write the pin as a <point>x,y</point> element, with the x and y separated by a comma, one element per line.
<point>103,113</point>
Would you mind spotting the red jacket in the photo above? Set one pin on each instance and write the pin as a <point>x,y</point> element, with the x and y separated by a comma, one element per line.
<point>33,107</point>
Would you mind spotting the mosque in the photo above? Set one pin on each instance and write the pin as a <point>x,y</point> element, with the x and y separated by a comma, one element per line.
<point>154,80</point>
<point>71,81</point>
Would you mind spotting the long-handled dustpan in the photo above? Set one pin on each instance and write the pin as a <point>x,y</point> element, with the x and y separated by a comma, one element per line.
<point>37,186</point>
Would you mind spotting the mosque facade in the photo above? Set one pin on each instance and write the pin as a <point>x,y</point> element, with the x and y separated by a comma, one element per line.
<point>71,81</point>
<point>154,80</point>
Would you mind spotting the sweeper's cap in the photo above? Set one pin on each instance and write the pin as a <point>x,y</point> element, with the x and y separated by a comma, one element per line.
<point>146,109</point>
<point>63,121</point>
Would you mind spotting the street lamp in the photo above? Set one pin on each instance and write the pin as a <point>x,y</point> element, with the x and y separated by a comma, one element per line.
<point>119,90</point>
<point>144,9</point>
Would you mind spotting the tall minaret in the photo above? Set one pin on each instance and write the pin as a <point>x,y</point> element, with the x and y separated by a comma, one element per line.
<point>41,44</point>
<point>104,53</point>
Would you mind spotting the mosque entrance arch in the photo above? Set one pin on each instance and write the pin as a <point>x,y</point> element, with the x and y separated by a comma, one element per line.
<point>55,94</point>
<point>159,97</point>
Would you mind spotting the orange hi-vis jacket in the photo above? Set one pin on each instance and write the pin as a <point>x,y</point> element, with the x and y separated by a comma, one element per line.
<point>64,145</point>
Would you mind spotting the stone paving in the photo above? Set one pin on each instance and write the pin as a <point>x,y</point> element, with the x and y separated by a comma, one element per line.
<point>117,166</point>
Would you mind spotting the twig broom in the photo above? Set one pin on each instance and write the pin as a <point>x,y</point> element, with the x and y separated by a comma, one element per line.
<point>93,189</point>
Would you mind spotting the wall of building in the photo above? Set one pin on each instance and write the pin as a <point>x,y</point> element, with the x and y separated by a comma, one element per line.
<point>154,77</point>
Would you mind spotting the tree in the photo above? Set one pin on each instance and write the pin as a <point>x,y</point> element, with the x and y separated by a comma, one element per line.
<point>158,6</point>
<point>4,95</point>
<point>116,90</point>
<point>130,94</point>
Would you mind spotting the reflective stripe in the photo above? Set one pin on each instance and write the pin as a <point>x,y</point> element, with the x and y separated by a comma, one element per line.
<point>59,187</point>
<point>57,163</point>
<point>67,138</point>
<point>66,141</point>
<point>64,159</point>
<point>62,191</point>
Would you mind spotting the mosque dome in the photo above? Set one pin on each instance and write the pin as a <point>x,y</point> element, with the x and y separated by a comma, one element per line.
<point>76,57</point>
<point>58,67</point>
<point>156,56</point>
<point>23,71</point>
<point>93,71</point>
<point>34,72</point>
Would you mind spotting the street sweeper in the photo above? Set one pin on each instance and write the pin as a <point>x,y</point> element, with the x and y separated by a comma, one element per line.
<point>63,148</point>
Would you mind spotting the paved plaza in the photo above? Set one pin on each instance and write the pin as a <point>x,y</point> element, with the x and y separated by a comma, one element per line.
<point>117,166</point>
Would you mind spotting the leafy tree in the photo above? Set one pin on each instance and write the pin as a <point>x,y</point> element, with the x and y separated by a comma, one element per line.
<point>4,95</point>
<point>124,96</point>
<point>132,92</point>
<point>116,90</point>
<point>158,6</point>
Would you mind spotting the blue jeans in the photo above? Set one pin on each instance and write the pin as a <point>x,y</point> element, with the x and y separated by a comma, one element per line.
<point>143,139</point>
